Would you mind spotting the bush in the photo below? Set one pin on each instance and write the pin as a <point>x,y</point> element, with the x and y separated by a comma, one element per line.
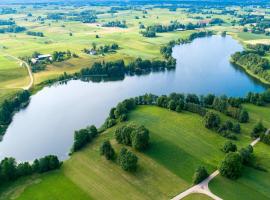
<point>231,166</point>
<point>229,147</point>
<point>107,150</point>
<point>127,160</point>
<point>200,175</point>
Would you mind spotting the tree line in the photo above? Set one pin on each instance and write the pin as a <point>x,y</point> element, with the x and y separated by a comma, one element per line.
<point>10,170</point>
<point>38,34</point>
<point>83,137</point>
<point>12,29</point>
<point>251,59</point>
<point>117,23</point>
<point>119,68</point>
<point>6,22</point>
<point>10,106</point>
<point>166,50</point>
<point>95,50</point>
<point>151,31</point>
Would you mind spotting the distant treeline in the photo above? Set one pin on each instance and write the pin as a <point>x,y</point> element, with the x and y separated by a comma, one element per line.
<point>5,11</point>
<point>166,50</point>
<point>87,16</point>
<point>120,24</point>
<point>118,68</point>
<point>38,34</point>
<point>101,49</point>
<point>12,29</point>
<point>252,60</point>
<point>173,26</point>
<point>10,170</point>
<point>6,22</point>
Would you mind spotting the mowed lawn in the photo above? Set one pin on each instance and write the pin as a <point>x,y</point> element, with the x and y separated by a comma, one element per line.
<point>253,184</point>
<point>179,144</point>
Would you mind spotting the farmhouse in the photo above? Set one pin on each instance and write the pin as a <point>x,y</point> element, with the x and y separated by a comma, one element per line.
<point>92,52</point>
<point>41,57</point>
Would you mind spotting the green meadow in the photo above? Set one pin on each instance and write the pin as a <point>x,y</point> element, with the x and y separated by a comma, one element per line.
<point>253,184</point>
<point>179,143</point>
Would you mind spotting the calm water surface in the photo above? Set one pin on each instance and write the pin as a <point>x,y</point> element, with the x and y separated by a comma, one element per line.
<point>47,125</point>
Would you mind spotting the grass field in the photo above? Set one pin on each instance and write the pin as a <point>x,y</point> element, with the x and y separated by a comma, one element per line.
<point>179,144</point>
<point>57,38</point>
<point>197,197</point>
<point>253,184</point>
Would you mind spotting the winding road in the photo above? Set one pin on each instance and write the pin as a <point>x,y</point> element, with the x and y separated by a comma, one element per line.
<point>202,187</point>
<point>24,64</point>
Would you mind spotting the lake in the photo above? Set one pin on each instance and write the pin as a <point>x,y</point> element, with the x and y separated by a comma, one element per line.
<point>47,125</point>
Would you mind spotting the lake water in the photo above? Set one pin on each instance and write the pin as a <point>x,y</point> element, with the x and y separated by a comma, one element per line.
<point>47,125</point>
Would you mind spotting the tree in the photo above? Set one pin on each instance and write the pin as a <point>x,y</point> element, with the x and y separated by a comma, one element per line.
<point>48,163</point>
<point>94,46</point>
<point>107,150</point>
<point>140,138</point>
<point>127,160</point>
<point>211,120</point>
<point>172,105</point>
<point>243,116</point>
<point>231,166</point>
<point>123,134</point>
<point>8,169</point>
<point>93,131</point>
<point>199,175</point>
<point>229,147</point>
<point>246,155</point>
<point>258,129</point>
<point>236,128</point>
<point>81,138</point>
<point>24,169</point>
